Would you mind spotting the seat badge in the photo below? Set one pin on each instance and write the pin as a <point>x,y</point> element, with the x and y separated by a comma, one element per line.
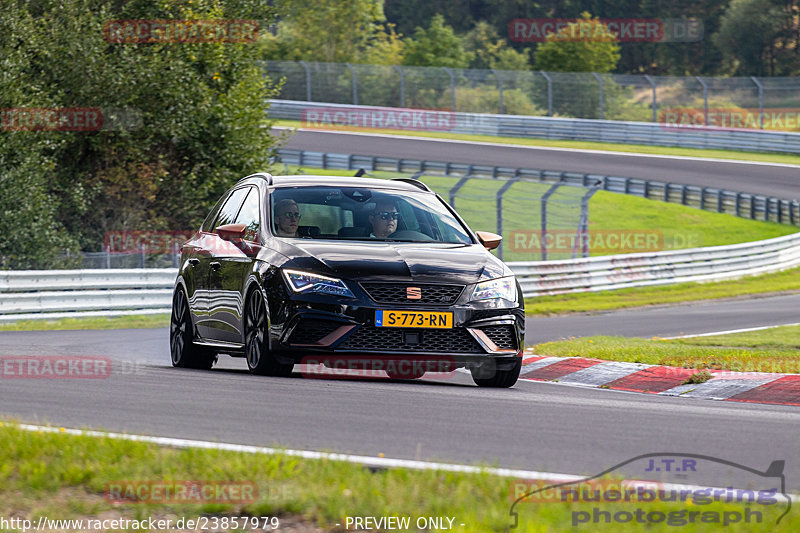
<point>413,293</point>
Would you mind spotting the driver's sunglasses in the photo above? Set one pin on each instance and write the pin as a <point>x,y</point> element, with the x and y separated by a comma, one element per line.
<point>386,215</point>
<point>290,215</point>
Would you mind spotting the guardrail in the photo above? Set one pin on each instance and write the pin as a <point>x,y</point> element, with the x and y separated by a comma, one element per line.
<point>32,294</point>
<point>661,268</point>
<point>56,294</point>
<point>576,129</point>
<point>752,206</point>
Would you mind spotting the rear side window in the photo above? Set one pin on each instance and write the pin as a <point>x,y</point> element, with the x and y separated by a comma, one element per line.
<point>227,215</point>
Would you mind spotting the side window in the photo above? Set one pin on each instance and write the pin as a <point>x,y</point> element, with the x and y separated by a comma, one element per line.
<point>231,208</point>
<point>249,215</point>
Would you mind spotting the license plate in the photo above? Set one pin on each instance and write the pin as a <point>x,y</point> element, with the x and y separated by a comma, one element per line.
<point>413,319</point>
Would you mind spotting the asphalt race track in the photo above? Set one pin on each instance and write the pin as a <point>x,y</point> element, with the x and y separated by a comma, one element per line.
<point>782,181</point>
<point>533,426</point>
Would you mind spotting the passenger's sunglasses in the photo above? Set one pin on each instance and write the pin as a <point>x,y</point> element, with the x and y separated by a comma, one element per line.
<point>386,215</point>
<point>290,215</point>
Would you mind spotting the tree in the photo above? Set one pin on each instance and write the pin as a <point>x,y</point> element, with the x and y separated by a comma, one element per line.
<point>202,122</point>
<point>747,36</point>
<point>328,30</point>
<point>492,52</point>
<point>583,46</point>
<point>436,46</point>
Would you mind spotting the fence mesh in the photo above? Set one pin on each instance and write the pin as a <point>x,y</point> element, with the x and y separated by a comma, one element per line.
<point>565,94</point>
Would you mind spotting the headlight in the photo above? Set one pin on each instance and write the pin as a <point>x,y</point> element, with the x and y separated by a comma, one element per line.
<point>308,282</point>
<point>505,288</point>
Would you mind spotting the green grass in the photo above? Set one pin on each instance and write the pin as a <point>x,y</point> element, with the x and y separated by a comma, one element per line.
<point>62,476</point>
<point>118,322</point>
<point>585,145</point>
<point>765,284</point>
<point>768,350</point>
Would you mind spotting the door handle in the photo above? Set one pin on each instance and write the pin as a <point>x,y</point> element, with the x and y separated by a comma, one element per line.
<point>194,261</point>
<point>215,265</point>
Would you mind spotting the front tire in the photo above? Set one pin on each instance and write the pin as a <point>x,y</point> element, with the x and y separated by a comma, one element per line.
<point>185,354</point>
<point>256,342</point>
<point>494,378</point>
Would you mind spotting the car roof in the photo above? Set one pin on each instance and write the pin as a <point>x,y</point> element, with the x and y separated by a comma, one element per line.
<point>305,180</point>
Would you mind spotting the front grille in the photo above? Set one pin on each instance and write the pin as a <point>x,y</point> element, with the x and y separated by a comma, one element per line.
<point>504,336</point>
<point>456,340</point>
<point>395,293</point>
<point>311,330</point>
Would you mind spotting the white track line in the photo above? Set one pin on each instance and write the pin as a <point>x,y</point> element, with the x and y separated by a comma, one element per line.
<point>726,332</point>
<point>379,462</point>
<point>554,149</point>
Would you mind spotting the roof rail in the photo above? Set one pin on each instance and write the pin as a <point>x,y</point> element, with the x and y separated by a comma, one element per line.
<point>413,181</point>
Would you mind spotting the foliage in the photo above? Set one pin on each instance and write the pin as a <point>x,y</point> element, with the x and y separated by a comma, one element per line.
<point>492,52</point>
<point>563,52</point>
<point>329,30</point>
<point>200,122</point>
<point>747,36</point>
<point>436,46</point>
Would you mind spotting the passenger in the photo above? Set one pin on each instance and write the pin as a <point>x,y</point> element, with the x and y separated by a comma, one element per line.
<point>384,219</point>
<point>287,218</point>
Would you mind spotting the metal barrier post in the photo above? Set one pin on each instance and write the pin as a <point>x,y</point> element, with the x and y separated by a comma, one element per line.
<point>457,186</point>
<point>507,185</point>
<point>355,83</point>
<point>705,98</point>
<point>600,94</point>
<point>452,87</point>
<point>654,101</point>
<point>545,197</point>
<point>760,101</point>
<point>308,80</point>
<point>402,85</point>
<point>583,222</point>
<point>549,93</point>
<point>499,91</point>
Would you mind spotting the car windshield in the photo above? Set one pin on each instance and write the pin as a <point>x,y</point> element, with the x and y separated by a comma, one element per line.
<point>362,213</point>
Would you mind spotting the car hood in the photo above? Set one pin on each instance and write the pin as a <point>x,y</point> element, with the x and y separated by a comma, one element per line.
<point>433,262</point>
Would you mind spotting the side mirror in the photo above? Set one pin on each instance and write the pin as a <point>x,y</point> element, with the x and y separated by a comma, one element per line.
<point>231,232</point>
<point>490,241</point>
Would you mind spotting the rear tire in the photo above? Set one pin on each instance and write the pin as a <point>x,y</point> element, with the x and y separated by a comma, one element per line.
<point>256,342</point>
<point>499,379</point>
<point>185,354</point>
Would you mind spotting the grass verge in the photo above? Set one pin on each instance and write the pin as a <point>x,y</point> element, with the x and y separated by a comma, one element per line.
<point>768,350</point>
<point>61,476</point>
<point>765,284</point>
<point>117,322</point>
<point>583,145</point>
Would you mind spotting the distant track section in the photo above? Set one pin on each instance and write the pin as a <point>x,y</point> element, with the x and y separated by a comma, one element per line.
<point>782,181</point>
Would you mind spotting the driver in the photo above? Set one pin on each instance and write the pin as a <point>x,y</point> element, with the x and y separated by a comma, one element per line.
<point>384,219</point>
<point>287,218</point>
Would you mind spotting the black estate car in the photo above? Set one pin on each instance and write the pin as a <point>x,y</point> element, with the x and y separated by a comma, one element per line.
<point>333,270</point>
